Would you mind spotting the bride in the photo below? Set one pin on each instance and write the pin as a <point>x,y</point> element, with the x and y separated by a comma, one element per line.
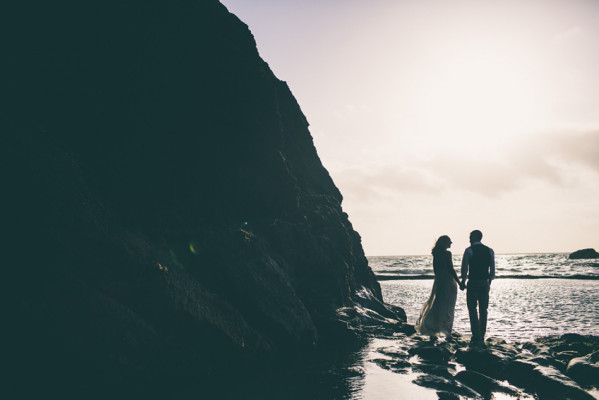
<point>437,313</point>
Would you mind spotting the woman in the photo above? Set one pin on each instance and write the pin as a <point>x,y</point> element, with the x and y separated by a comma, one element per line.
<point>437,313</point>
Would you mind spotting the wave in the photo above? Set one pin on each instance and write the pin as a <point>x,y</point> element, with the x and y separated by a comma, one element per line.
<point>422,277</point>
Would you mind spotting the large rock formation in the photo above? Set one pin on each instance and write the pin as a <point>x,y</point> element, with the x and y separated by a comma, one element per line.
<point>166,207</point>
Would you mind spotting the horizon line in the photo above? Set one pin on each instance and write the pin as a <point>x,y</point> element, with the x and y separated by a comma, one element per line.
<point>500,254</point>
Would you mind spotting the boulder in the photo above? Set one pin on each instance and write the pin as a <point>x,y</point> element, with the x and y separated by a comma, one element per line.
<point>584,371</point>
<point>485,361</point>
<point>446,385</point>
<point>484,384</point>
<point>551,383</point>
<point>430,351</point>
<point>583,254</point>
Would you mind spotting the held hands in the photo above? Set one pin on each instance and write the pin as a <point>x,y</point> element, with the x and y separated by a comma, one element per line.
<point>462,285</point>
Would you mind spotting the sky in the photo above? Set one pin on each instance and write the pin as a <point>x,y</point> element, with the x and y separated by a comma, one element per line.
<point>438,117</point>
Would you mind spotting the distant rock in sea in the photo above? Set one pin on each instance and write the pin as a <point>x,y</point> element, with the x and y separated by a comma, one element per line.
<point>167,212</point>
<point>583,254</point>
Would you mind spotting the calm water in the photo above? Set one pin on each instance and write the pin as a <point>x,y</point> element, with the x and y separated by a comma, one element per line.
<point>536,295</point>
<point>551,265</point>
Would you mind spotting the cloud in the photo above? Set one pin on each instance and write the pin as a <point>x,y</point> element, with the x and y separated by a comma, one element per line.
<point>577,147</point>
<point>549,157</point>
<point>369,182</point>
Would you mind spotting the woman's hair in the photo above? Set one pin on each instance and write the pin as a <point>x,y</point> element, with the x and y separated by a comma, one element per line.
<point>441,245</point>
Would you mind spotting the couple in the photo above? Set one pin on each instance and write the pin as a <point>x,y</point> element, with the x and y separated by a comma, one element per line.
<point>478,266</point>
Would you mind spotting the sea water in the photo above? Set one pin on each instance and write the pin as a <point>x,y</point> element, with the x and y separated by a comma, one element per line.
<point>534,295</point>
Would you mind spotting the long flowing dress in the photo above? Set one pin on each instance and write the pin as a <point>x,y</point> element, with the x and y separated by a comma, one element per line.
<point>438,311</point>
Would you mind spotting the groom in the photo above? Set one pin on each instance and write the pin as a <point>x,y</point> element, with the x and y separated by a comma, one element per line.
<point>478,265</point>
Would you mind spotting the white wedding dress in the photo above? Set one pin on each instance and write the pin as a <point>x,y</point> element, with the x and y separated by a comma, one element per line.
<point>438,311</point>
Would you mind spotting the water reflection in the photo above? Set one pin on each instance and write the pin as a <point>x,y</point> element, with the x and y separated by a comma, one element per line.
<point>519,309</point>
<point>332,376</point>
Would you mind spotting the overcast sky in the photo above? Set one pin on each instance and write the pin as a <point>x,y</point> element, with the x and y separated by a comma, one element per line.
<point>439,117</point>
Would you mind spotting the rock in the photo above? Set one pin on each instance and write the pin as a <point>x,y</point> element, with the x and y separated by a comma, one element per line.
<point>543,361</point>
<point>443,370</point>
<point>430,352</point>
<point>484,384</point>
<point>393,365</point>
<point>484,361</point>
<point>583,254</point>
<point>168,214</point>
<point>535,348</point>
<point>446,385</point>
<point>549,382</point>
<point>583,371</point>
<point>365,299</point>
<point>453,368</point>
<point>570,345</point>
<point>447,396</point>
<point>408,329</point>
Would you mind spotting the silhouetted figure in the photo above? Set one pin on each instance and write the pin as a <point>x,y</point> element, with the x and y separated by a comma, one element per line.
<point>478,266</point>
<point>437,313</point>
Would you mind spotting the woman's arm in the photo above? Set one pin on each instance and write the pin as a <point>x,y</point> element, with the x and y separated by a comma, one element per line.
<point>450,266</point>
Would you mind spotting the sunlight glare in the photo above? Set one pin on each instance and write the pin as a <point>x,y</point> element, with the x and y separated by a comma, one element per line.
<point>484,96</point>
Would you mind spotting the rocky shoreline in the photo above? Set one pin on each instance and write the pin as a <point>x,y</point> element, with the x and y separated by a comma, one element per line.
<point>553,367</point>
<point>556,367</point>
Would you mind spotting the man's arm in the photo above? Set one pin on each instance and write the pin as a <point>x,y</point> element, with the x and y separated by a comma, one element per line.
<point>492,269</point>
<point>465,263</point>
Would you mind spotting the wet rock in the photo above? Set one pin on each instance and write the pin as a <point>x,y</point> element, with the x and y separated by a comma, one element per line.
<point>365,322</point>
<point>446,385</point>
<point>484,384</point>
<point>530,369</point>
<point>535,348</point>
<point>583,254</point>
<point>551,383</point>
<point>430,352</point>
<point>544,361</point>
<point>565,356</point>
<point>394,365</point>
<point>571,344</point>
<point>444,370</point>
<point>583,371</point>
<point>408,329</point>
<point>518,372</point>
<point>394,352</point>
<point>447,396</point>
<point>548,382</point>
<point>366,299</point>
<point>484,361</point>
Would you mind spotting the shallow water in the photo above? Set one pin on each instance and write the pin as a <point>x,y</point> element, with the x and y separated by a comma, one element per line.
<point>535,294</point>
<point>519,309</point>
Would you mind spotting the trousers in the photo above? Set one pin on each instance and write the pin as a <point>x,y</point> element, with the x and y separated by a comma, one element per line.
<point>477,296</point>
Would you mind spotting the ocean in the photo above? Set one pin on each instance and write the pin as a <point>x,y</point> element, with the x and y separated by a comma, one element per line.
<point>534,295</point>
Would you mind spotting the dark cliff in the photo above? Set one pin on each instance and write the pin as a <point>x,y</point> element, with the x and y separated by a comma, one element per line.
<point>165,205</point>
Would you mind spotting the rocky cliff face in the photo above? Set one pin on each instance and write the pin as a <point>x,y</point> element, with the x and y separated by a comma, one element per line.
<point>166,207</point>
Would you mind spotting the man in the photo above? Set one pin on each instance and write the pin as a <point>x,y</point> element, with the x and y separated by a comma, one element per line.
<point>478,266</point>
